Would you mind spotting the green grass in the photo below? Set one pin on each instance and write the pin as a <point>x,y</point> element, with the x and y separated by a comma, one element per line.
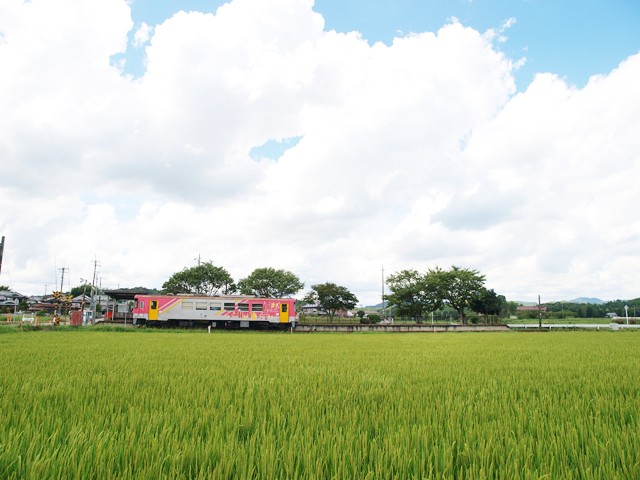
<point>85,403</point>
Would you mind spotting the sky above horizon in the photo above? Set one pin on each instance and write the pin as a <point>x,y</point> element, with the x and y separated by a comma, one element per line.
<point>329,139</point>
<point>573,39</point>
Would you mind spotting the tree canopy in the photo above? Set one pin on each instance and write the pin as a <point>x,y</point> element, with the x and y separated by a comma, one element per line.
<point>413,293</point>
<point>203,279</point>
<point>331,298</point>
<point>80,289</point>
<point>489,303</point>
<point>270,283</point>
<point>461,286</point>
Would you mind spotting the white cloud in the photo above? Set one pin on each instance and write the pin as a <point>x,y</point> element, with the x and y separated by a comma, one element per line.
<point>411,155</point>
<point>142,35</point>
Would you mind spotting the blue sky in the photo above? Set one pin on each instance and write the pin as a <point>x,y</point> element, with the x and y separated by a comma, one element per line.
<point>571,38</point>
<point>574,39</point>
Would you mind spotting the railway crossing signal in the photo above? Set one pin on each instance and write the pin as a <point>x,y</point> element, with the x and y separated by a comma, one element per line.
<point>63,302</point>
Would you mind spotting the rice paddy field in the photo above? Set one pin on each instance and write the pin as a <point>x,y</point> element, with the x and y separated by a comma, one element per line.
<point>138,404</point>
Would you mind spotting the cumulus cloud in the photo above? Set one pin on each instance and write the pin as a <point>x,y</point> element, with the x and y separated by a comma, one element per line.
<point>411,155</point>
<point>142,35</point>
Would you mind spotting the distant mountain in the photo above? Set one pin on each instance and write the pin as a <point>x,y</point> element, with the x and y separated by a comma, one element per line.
<point>594,301</point>
<point>378,306</point>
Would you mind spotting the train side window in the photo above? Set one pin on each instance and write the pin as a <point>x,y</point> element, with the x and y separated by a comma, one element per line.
<point>257,307</point>
<point>187,305</point>
<point>229,307</point>
<point>243,307</point>
<point>284,308</point>
<point>141,304</point>
<point>201,305</point>
<point>154,304</point>
<point>214,306</point>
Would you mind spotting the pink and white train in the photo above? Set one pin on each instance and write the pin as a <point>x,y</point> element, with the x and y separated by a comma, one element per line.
<point>231,311</point>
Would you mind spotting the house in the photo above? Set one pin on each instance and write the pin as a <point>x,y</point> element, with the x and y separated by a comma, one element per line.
<point>9,298</point>
<point>80,301</point>
<point>311,309</point>
<point>532,308</point>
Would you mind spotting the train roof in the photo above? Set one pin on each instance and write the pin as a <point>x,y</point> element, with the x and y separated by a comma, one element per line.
<point>212,297</point>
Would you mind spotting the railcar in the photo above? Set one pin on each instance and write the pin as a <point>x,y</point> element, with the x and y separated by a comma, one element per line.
<point>229,311</point>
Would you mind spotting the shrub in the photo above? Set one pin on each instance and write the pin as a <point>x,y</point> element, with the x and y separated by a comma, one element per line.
<point>374,318</point>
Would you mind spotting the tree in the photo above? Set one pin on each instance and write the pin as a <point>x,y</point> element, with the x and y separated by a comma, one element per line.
<point>270,283</point>
<point>405,293</point>
<point>331,298</point>
<point>5,288</point>
<point>203,279</point>
<point>79,290</point>
<point>434,287</point>
<point>413,293</point>
<point>460,287</point>
<point>488,303</point>
<point>509,308</point>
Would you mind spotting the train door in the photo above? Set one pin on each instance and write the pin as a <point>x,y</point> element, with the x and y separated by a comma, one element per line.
<point>284,313</point>
<point>153,310</point>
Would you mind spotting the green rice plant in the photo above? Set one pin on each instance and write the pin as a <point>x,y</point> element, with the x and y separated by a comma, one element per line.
<point>84,403</point>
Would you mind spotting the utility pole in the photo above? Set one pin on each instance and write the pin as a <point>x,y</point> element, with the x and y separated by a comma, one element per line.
<point>59,308</point>
<point>384,310</point>
<point>84,298</point>
<point>62,278</point>
<point>93,286</point>
<point>1,252</point>
<point>539,314</point>
<point>59,299</point>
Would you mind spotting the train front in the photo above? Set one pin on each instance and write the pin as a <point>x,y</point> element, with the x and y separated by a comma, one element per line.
<point>141,309</point>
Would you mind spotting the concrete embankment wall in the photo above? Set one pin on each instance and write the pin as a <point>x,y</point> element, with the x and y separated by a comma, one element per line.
<point>400,328</point>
